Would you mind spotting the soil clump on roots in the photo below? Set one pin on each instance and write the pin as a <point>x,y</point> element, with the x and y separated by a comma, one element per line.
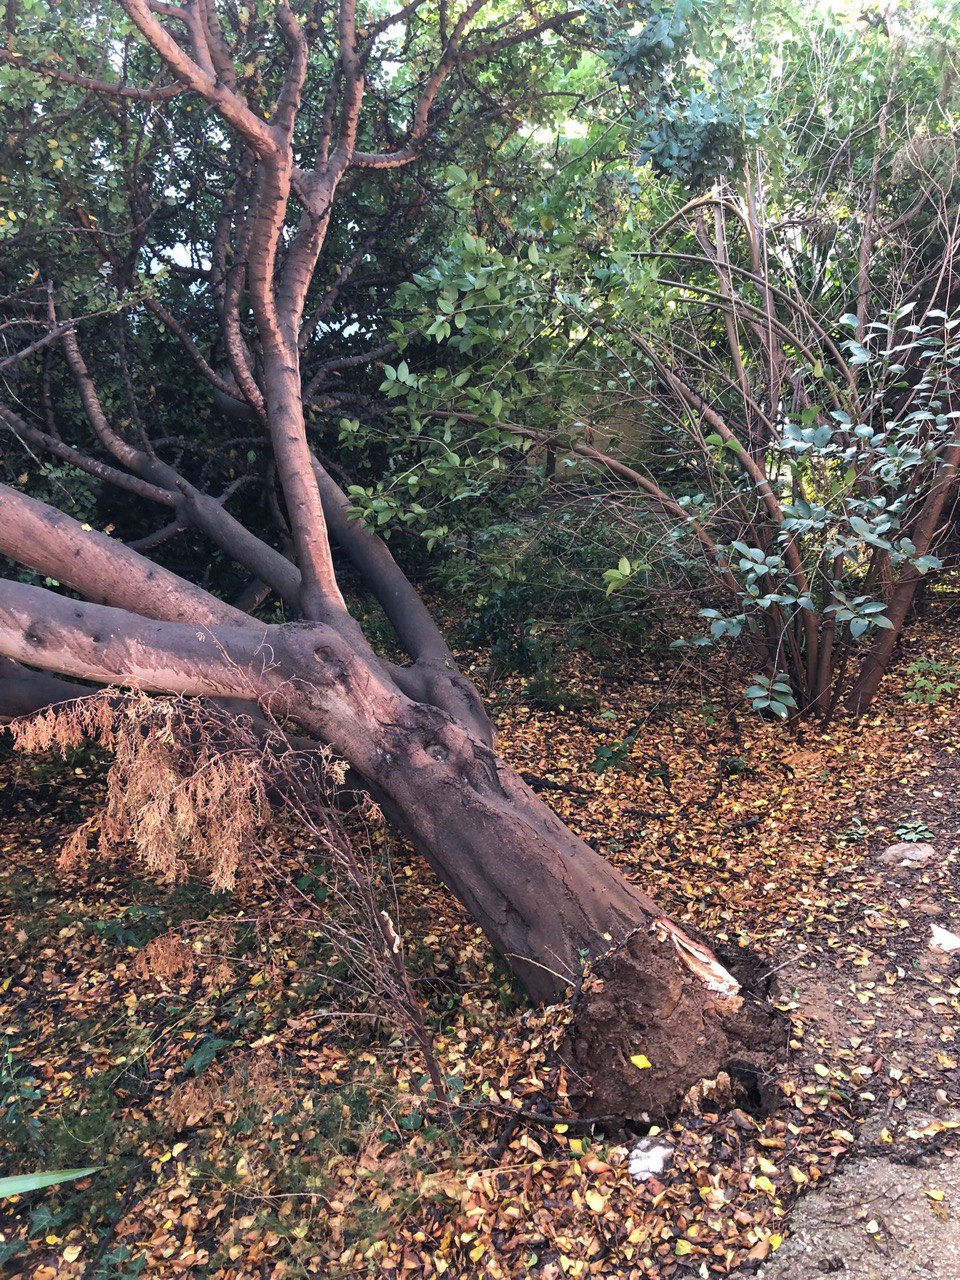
<point>640,1007</point>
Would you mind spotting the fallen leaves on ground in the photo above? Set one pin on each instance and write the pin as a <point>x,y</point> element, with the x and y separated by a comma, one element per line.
<point>256,1118</point>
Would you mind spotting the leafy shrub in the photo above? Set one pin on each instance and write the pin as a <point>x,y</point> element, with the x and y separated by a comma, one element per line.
<point>614,755</point>
<point>929,680</point>
<point>914,831</point>
<point>539,587</point>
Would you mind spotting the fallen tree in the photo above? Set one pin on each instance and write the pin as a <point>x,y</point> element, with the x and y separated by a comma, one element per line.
<point>416,733</point>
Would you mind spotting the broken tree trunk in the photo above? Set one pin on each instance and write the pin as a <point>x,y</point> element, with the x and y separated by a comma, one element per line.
<point>547,902</point>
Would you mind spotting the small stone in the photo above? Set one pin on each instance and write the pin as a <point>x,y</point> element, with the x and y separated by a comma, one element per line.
<point>908,854</point>
<point>944,939</point>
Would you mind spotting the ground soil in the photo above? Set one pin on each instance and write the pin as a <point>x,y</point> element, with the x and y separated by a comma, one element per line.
<point>877,1219</point>
<point>639,996</point>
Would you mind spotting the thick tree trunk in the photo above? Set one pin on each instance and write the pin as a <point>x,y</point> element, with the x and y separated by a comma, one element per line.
<point>458,802</point>
<point>419,740</point>
<point>547,902</point>
<point>546,906</point>
<point>24,692</point>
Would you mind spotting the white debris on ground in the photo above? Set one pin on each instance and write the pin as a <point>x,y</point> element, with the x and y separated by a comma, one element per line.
<point>944,939</point>
<point>649,1158</point>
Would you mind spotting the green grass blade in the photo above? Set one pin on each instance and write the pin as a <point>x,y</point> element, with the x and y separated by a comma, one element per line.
<point>34,1181</point>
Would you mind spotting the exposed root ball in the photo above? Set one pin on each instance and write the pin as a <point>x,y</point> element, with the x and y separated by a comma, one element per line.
<point>643,1005</point>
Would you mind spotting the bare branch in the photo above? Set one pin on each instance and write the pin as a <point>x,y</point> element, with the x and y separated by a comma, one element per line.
<point>113,646</point>
<point>53,336</point>
<point>417,133</point>
<point>122,450</point>
<point>29,435</point>
<point>100,568</point>
<point>220,96</point>
<point>191,348</point>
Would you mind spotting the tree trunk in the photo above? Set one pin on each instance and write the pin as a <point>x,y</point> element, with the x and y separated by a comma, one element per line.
<point>902,596</point>
<point>417,734</point>
<point>548,903</point>
<point>24,692</point>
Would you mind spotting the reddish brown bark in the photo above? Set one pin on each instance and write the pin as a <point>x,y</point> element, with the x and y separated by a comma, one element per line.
<point>904,592</point>
<point>24,692</point>
<point>543,897</point>
<point>101,569</point>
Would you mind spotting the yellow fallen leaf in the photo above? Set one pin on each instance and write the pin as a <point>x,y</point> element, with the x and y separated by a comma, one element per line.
<point>640,1061</point>
<point>72,1252</point>
<point>595,1200</point>
<point>775,1241</point>
<point>682,1248</point>
<point>576,1146</point>
<point>764,1184</point>
<point>934,1193</point>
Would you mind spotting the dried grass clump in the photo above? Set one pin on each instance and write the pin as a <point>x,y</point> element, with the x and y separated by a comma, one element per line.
<point>251,1080</point>
<point>188,800</point>
<point>65,728</point>
<point>187,787</point>
<point>168,960</point>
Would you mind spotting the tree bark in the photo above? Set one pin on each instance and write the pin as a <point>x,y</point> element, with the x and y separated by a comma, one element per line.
<point>417,736</point>
<point>24,692</point>
<point>547,907</point>
<point>902,596</point>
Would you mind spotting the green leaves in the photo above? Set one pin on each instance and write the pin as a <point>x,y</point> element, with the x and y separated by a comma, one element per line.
<point>716,441</point>
<point>614,755</point>
<point>622,574</point>
<point>930,680</point>
<point>204,1055</point>
<point>860,613</point>
<point>20,1184</point>
<point>771,693</point>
